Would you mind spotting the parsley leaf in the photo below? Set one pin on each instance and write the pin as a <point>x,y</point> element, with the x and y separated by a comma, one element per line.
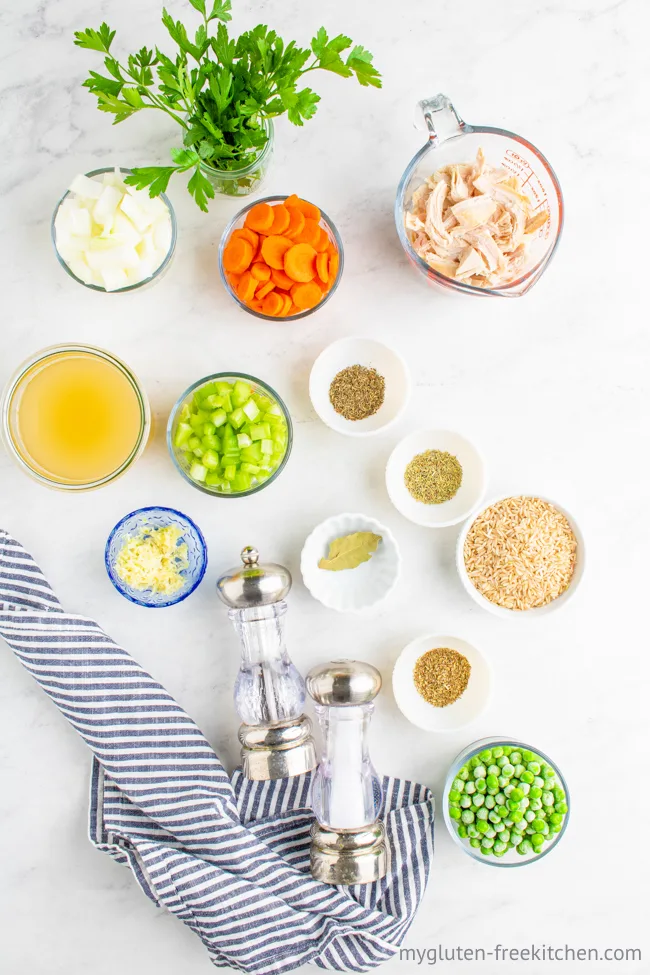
<point>95,40</point>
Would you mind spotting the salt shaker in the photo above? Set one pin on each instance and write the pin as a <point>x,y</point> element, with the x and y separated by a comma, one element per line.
<point>269,692</point>
<point>348,843</point>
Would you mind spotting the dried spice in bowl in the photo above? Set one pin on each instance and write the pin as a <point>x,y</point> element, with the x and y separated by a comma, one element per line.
<point>433,477</point>
<point>441,676</point>
<point>357,392</point>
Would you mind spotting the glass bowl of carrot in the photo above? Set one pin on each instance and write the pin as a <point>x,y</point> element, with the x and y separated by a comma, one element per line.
<point>281,257</point>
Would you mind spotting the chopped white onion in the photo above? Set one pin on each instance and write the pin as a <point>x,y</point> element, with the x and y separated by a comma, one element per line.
<point>110,234</point>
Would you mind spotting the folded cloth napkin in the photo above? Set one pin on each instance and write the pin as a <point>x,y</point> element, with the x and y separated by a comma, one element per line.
<point>229,857</point>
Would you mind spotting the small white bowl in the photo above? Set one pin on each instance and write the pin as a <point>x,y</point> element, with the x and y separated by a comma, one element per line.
<point>470,493</point>
<point>513,613</point>
<point>350,590</point>
<point>462,712</point>
<point>362,352</point>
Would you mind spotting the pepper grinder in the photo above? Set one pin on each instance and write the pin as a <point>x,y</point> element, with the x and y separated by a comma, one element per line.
<point>269,692</point>
<point>348,843</point>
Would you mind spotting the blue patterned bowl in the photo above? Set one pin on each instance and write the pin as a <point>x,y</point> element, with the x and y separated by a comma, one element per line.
<point>132,524</point>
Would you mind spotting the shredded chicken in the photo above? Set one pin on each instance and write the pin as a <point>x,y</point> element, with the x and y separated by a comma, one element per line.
<point>473,222</point>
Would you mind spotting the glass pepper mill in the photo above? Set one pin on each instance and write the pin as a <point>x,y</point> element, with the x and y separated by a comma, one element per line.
<point>269,692</point>
<point>348,843</point>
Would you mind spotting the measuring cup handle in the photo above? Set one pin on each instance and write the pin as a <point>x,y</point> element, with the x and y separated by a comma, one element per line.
<point>442,119</point>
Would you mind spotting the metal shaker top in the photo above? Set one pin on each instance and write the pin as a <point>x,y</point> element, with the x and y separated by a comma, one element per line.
<point>343,683</point>
<point>253,583</point>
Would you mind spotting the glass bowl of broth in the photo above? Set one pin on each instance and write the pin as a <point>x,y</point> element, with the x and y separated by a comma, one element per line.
<point>75,417</point>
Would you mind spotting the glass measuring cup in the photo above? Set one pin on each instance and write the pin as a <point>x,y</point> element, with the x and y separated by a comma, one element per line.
<point>451,140</point>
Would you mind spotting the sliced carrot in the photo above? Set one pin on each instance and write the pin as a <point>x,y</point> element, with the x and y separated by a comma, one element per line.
<point>274,249</point>
<point>296,222</point>
<point>247,234</point>
<point>287,305</point>
<point>246,286</point>
<point>260,218</point>
<point>256,305</point>
<point>299,262</point>
<point>264,290</point>
<point>281,219</point>
<point>273,304</point>
<point>322,267</point>
<point>237,255</point>
<point>323,241</point>
<point>261,271</point>
<point>234,280</point>
<point>292,201</point>
<point>310,233</point>
<point>333,267</point>
<point>306,295</point>
<point>282,280</point>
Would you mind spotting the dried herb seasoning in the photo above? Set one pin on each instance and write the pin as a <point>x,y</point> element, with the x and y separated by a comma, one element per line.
<point>441,676</point>
<point>433,477</point>
<point>357,392</point>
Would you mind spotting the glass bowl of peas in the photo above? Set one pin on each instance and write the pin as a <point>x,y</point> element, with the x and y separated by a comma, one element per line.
<point>229,435</point>
<point>505,803</point>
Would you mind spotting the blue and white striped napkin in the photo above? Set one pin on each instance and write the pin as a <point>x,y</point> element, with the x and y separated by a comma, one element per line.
<point>229,857</point>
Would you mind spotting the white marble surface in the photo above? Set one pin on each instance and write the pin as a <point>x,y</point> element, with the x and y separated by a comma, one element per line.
<point>554,387</point>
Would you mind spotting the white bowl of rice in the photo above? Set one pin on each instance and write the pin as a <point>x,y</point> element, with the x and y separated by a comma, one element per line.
<point>520,555</point>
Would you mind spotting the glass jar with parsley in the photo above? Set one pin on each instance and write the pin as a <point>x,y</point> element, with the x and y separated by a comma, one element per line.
<point>222,91</point>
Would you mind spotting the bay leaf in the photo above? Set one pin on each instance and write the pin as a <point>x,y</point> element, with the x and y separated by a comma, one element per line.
<point>349,551</point>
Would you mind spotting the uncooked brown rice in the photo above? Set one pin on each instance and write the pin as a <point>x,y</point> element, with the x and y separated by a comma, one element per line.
<point>520,553</point>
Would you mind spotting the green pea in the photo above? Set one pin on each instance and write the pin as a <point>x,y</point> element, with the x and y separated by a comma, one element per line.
<point>524,847</point>
<point>527,777</point>
<point>536,804</point>
<point>502,761</point>
<point>476,843</point>
<point>520,826</point>
<point>478,801</point>
<point>538,825</point>
<point>454,795</point>
<point>508,822</point>
<point>480,772</point>
<point>470,788</point>
<point>454,812</point>
<point>547,798</point>
<point>561,807</point>
<point>499,827</point>
<point>507,770</point>
<point>534,767</point>
<point>474,761</point>
<point>559,794</point>
<point>481,786</point>
<point>504,835</point>
<point>507,750</point>
<point>504,781</point>
<point>472,830</point>
<point>487,842</point>
<point>513,805</point>
<point>499,798</point>
<point>515,757</point>
<point>499,854</point>
<point>485,850</point>
<point>537,839</point>
<point>529,816</point>
<point>493,771</point>
<point>516,838</point>
<point>555,819</point>
<point>467,816</point>
<point>517,816</point>
<point>539,782</point>
<point>517,795</point>
<point>500,847</point>
<point>525,788</point>
<point>485,755</point>
<point>497,752</point>
<point>555,827</point>
<point>489,802</point>
<point>491,833</point>
<point>463,774</point>
<point>492,781</point>
<point>502,811</point>
<point>548,772</point>
<point>549,785</point>
<point>482,825</point>
<point>482,813</point>
<point>525,803</point>
<point>474,807</point>
<point>535,793</point>
<point>462,832</point>
<point>519,770</point>
<point>465,802</point>
<point>458,785</point>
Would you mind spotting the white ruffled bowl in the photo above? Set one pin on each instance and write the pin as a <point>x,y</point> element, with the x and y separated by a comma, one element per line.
<point>350,590</point>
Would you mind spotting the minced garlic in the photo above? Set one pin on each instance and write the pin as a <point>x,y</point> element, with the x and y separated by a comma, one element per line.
<point>153,560</point>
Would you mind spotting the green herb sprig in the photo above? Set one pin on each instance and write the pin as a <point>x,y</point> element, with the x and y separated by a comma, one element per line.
<point>221,91</point>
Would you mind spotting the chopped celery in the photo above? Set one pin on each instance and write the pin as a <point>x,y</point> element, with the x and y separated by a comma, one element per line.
<point>218,418</point>
<point>233,437</point>
<point>251,410</point>
<point>238,417</point>
<point>183,434</point>
<point>240,393</point>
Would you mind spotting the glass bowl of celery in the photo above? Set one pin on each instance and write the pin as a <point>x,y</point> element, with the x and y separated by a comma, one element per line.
<point>229,435</point>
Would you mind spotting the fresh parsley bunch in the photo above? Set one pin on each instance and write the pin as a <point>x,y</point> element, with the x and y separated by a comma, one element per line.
<point>220,90</point>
